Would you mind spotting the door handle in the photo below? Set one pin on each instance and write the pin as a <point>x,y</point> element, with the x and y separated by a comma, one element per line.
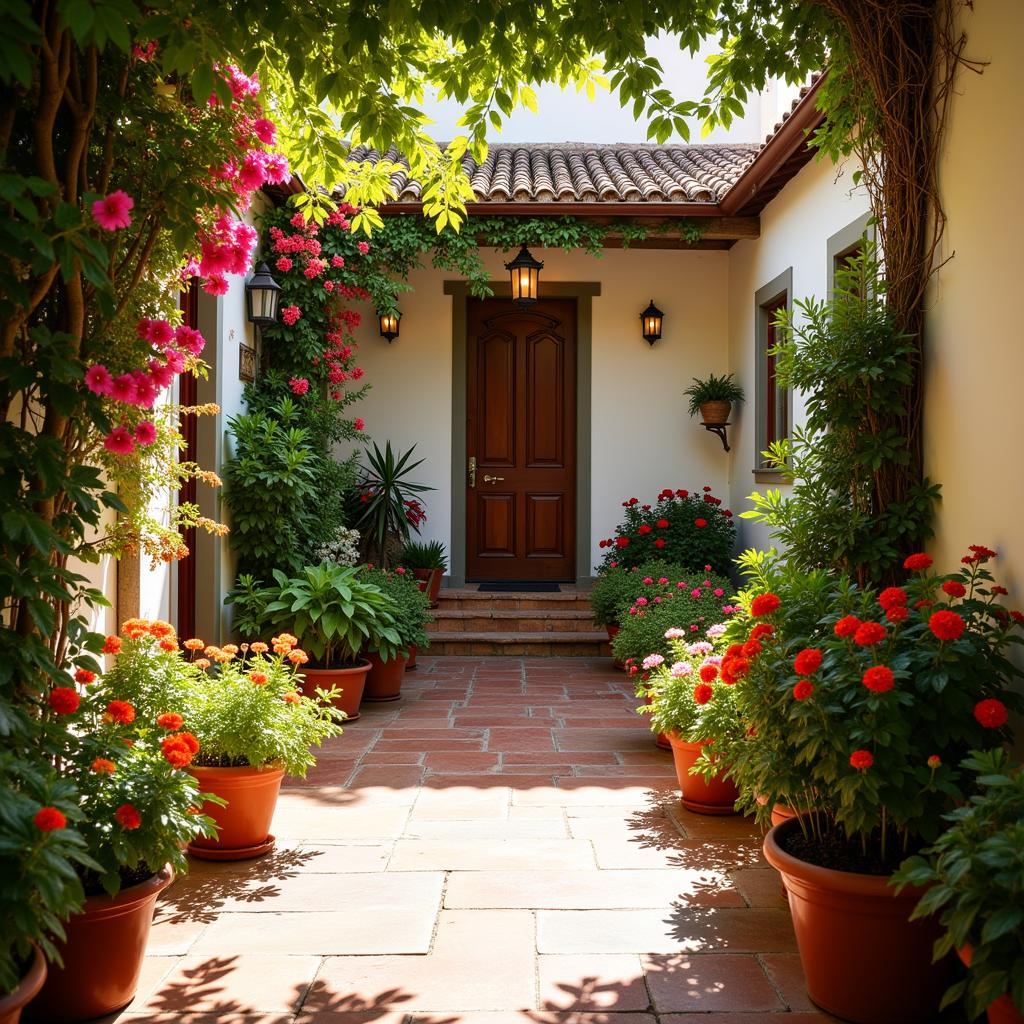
<point>488,479</point>
<point>472,471</point>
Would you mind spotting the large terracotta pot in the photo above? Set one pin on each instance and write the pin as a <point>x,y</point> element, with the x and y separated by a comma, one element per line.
<point>351,682</point>
<point>243,825</point>
<point>1001,1010</point>
<point>15,1001</point>
<point>715,797</point>
<point>102,956</point>
<point>715,414</point>
<point>863,959</point>
<point>411,663</point>
<point>661,740</point>
<point>384,681</point>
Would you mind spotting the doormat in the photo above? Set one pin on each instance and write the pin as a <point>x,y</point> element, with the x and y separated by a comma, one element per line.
<point>515,586</point>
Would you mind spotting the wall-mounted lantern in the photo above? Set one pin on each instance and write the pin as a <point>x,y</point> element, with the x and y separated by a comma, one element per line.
<point>389,324</point>
<point>650,321</point>
<point>524,274</point>
<point>261,295</point>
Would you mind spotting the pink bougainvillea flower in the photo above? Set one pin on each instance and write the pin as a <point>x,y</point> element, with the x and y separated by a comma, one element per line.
<point>215,284</point>
<point>253,172</point>
<point>98,379</point>
<point>276,170</point>
<point>119,441</point>
<point>161,374</point>
<point>175,360</point>
<point>145,432</point>
<point>122,389</point>
<point>189,339</point>
<point>265,130</point>
<point>337,262</point>
<point>299,385</point>
<point>359,424</point>
<point>284,264</point>
<point>145,389</point>
<point>113,211</point>
<point>290,314</point>
<point>160,333</point>
<point>363,247</point>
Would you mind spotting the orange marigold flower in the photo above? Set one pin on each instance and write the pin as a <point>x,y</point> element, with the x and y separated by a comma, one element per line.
<point>112,645</point>
<point>298,656</point>
<point>83,675</point>
<point>230,648</point>
<point>201,663</point>
<point>259,647</point>
<point>170,720</point>
<point>195,644</point>
<point>128,817</point>
<point>121,711</point>
<point>190,741</point>
<point>210,650</point>
<point>259,678</point>
<point>168,645</point>
<point>861,760</point>
<point>135,628</point>
<point>160,629</point>
<point>49,819</point>
<point>286,638</point>
<point>176,752</point>
<point>64,700</point>
<point>101,766</point>
<point>291,698</point>
<point>222,656</point>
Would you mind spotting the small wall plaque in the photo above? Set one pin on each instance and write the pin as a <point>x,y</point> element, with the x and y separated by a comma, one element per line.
<point>246,363</point>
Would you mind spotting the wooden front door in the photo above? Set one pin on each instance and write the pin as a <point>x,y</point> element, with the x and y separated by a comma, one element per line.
<point>521,430</point>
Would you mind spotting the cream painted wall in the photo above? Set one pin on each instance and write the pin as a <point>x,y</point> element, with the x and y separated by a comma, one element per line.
<point>642,438</point>
<point>795,227</point>
<point>974,416</point>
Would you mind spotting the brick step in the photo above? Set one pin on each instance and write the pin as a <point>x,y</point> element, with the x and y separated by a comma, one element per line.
<point>516,645</point>
<point>514,601</point>
<point>515,620</point>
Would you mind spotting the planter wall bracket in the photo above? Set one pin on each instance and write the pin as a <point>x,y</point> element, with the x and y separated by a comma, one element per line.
<point>720,430</point>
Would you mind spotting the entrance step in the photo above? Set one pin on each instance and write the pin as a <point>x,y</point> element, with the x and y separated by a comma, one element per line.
<point>515,624</point>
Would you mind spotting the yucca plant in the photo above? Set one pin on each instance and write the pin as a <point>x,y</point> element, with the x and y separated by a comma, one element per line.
<point>387,502</point>
<point>421,555</point>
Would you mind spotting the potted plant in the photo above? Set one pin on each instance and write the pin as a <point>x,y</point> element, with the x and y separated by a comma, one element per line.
<point>713,397</point>
<point>686,693</point>
<point>889,685</point>
<point>410,609</point>
<point>388,504</point>
<point>684,528</point>
<point>243,709</point>
<point>974,879</point>
<point>615,589</point>
<point>334,614</point>
<point>428,564</point>
<point>135,809</point>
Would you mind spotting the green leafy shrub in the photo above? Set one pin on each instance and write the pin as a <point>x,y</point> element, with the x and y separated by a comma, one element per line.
<point>975,878</point>
<point>691,530</point>
<point>713,389</point>
<point>410,608</point>
<point>616,589</point>
<point>691,604</point>
<point>854,505</point>
<point>424,555</point>
<point>242,705</point>
<point>332,609</point>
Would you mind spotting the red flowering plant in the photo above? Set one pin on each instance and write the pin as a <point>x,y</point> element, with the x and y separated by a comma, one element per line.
<point>859,705</point>
<point>618,586</point>
<point>682,527</point>
<point>241,703</point>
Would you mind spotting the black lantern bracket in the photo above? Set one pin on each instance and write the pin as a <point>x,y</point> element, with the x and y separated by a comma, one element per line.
<point>720,430</point>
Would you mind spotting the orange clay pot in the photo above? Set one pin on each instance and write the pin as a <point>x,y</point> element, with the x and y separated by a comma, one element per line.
<point>243,826</point>
<point>863,959</point>
<point>15,1001</point>
<point>411,663</point>
<point>430,583</point>
<point>351,682</point>
<point>1001,1010</point>
<point>102,955</point>
<point>715,797</point>
<point>661,740</point>
<point>384,681</point>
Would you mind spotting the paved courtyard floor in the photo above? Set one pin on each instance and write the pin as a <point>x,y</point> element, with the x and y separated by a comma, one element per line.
<point>504,844</point>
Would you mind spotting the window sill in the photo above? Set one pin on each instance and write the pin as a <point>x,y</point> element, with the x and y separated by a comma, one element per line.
<point>770,476</point>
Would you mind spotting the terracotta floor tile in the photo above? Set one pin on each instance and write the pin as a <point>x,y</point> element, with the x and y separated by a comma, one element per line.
<point>311,823</point>
<point>760,887</point>
<point>679,929</point>
<point>506,738</point>
<point>241,984</point>
<point>481,960</point>
<point>612,982</point>
<point>441,802</point>
<point>487,828</point>
<point>618,852</point>
<point>422,746</point>
<point>378,757</point>
<point>787,976</point>
<point>697,983</point>
<point>489,855</point>
<point>470,761</point>
<point>588,889</point>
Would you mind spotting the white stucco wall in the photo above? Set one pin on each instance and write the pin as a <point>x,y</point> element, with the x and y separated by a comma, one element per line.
<point>642,438</point>
<point>974,416</point>
<point>795,228</point>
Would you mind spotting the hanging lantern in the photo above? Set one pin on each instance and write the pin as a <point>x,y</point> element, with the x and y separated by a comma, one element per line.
<point>389,324</point>
<point>524,273</point>
<point>650,320</point>
<point>261,295</point>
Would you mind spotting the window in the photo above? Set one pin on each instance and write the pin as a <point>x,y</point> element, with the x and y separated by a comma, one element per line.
<point>772,403</point>
<point>846,245</point>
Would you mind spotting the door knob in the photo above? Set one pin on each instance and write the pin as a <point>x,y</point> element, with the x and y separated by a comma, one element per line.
<point>488,479</point>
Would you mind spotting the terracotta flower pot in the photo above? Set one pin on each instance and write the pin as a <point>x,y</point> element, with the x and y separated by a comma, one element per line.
<point>715,797</point>
<point>429,583</point>
<point>102,955</point>
<point>351,682</point>
<point>411,663</point>
<point>243,826</point>
<point>384,681</point>
<point>1001,1010</point>
<point>715,414</point>
<point>661,740</point>
<point>15,1001</point>
<point>863,959</point>
<point>781,813</point>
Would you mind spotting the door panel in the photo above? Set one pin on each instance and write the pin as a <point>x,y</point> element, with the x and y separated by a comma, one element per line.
<point>521,429</point>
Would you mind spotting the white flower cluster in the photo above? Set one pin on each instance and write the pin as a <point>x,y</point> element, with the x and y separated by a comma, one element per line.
<point>342,550</point>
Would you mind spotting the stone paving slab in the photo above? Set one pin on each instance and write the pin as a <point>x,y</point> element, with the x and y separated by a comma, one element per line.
<point>505,844</point>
